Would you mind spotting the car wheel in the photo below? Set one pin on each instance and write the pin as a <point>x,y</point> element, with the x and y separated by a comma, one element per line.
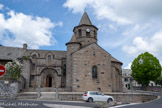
<point>90,100</point>
<point>109,100</point>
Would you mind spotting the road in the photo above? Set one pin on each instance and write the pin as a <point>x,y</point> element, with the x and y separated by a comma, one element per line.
<point>153,104</point>
<point>41,104</point>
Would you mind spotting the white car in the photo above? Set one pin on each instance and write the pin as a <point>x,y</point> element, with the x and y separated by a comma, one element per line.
<point>91,96</point>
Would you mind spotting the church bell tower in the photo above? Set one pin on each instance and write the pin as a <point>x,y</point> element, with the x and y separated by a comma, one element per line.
<point>84,34</point>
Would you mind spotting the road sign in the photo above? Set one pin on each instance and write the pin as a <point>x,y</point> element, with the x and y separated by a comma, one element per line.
<point>2,70</point>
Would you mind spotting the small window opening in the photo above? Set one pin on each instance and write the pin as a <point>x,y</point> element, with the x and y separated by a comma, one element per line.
<point>34,56</point>
<point>80,33</point>
<point>49,57</point>
<point>94,72</point>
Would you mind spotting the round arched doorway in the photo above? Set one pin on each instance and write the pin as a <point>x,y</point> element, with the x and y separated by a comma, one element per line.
<point>49,80</point>
<point>48,77</point>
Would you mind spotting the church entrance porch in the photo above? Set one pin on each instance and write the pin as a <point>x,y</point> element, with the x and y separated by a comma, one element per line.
<point>49,78</point>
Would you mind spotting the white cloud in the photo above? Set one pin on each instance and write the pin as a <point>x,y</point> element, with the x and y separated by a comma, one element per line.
<point>128,66</point>
<point>102,9</point>
<point>120,11</point>
<point>111,26</point>
<point>59,24</point>
<point>19,28</point>
<point>77,5</point>
<point>1,6</point>
<point>142,44</point>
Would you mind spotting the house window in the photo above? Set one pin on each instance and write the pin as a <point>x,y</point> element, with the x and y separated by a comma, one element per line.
<point>80,33</point>
<point>94,72</point>
<point>126,79</point>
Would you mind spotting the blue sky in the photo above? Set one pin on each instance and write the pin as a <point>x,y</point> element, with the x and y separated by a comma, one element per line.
<point>126,28</point>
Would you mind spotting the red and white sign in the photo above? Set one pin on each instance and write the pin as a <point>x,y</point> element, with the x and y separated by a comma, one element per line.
<point>2,70</point>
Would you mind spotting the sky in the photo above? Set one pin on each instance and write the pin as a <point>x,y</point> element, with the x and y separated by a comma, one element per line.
<point>127,28</point>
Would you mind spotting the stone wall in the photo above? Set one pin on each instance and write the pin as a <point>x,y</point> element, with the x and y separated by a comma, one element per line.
<point>150,88</point>
<point>26,72</point>
<point>82,63</point>
<point>71,47</point>
<point>119,97</point>
<point>77,96</point>
<point>116,77</point>
<point>9,88</point>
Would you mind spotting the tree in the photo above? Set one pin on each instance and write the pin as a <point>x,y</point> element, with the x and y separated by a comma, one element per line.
<point>145,68</point>
<point>159,80</point>
<point>13,69</point>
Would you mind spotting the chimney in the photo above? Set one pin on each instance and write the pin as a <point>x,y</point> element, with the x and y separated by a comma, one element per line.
<point>25,46</point>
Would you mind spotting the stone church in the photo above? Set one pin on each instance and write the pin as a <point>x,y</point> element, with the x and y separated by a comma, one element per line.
<point>84,66</point>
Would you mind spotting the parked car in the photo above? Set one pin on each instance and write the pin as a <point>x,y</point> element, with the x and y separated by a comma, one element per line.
<point>91,96</point>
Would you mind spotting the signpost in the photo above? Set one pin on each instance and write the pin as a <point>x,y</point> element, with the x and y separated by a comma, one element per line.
<point>2,70</point>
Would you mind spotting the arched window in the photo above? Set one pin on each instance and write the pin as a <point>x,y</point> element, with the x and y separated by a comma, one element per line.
<point>34,56</point>
<point>88,32</point>
<point>95,34</point>
<point>49,57</point>
<point>94,72</point>
<point>80,33</point>
<point>64,70</point>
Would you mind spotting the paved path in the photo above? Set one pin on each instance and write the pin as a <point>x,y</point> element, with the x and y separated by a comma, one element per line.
<point>153,104</point>
<point>42,104</point>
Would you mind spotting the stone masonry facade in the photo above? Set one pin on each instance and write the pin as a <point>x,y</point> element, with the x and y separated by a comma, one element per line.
<point>85,66</point>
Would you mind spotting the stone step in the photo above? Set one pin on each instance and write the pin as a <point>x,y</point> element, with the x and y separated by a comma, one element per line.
<point>48,96</point>
<point>26,96</point>
<point>34,95</point>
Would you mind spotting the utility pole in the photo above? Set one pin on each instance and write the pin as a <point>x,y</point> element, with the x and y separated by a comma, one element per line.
<point>131,86</point>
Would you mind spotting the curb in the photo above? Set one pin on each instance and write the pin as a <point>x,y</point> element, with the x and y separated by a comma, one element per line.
<point>158,97</point>
<point>118,106</point>
<point>124,105</point>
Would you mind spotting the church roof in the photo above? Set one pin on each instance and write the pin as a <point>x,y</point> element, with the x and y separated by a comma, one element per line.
<point>10,53</point>
<point>85,19</point>
<point>115,60</point>
<point>73,39</point>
